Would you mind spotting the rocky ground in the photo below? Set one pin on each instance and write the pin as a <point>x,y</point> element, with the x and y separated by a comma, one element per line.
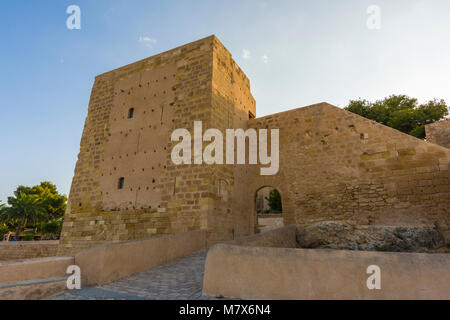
<point>341,235</point>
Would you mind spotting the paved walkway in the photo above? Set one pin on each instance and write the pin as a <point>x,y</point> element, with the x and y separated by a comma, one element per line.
<point>180,279</point>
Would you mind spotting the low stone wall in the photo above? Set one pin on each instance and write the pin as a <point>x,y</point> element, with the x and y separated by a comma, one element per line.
<point>274,273</point>
<point>33,279</point>
<point>27,250</point>
<point>104,264</point>
<point>41,278</point>
<point>284,237</point>
<point>23,270</point>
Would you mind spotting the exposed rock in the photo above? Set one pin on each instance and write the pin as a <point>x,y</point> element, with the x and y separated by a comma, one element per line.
<point>341,235</point>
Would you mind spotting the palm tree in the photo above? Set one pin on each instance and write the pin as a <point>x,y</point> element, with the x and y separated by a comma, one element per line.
<point>24,208</point>
<point>3,227</point>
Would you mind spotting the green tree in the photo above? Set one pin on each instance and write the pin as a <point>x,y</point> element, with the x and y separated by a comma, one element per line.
<point>39,207</point>
<point>3,230</point>
<point>3,227</point>
<point>53,203</point>
<point>274,200</point>
<point>401,112</point>
<point>23,209</point>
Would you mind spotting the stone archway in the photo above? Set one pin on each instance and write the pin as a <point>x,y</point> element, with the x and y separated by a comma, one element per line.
<point>268,209</point>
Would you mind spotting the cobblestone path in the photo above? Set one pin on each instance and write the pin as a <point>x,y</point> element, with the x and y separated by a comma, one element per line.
<point>180,279</point>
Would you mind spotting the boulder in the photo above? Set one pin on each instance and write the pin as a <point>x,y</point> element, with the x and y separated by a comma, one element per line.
<point>344,236</point>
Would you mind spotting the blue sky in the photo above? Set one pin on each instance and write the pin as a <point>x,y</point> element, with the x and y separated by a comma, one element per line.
<point>295,53</point>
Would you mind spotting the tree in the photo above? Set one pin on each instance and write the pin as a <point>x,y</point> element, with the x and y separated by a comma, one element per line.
<point>3,227</point>
<point>3,230</point>
<point>53,203</point>
<point>39,207</point>
<point>24,208</point>
<point>401,112</point>
<point>274,200</point>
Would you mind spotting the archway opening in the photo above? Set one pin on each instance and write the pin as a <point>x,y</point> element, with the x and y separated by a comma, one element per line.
<point>269,209</point>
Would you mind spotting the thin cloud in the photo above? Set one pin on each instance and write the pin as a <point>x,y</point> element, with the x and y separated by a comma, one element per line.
<point>246,54</point>
<point>147,41</point>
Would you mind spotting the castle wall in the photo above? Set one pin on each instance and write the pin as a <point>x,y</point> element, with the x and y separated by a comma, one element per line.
<point>439,133</point>
<point>232,102</point>
<point>336,165</point>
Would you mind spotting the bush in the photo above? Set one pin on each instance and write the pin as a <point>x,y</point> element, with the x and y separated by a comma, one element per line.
<point>28,237</point>
<point>51,230</point>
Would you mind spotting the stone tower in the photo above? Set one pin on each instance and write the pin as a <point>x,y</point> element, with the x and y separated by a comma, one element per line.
<point>125,185</point>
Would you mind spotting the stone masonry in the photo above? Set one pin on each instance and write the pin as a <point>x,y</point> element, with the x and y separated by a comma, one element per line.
<point>18,250</point>
<point>334,165</point>
<point>198,81</point>
<point>439,133</point>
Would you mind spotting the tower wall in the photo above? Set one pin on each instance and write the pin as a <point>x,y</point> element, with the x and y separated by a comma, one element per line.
<point>166,91</point>
<point>232,102</point>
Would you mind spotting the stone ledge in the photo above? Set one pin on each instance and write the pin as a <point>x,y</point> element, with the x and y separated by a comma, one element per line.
<point>233,271</point>
<point>31,269</point>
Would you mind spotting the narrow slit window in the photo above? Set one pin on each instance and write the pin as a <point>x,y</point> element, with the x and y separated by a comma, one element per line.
<point>121,183</point>
<point>131,113</point>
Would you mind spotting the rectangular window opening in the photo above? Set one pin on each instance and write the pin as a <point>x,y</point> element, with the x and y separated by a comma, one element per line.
<point>121,183</point>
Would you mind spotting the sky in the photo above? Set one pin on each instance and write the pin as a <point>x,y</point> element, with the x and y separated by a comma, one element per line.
<point>295,53</point>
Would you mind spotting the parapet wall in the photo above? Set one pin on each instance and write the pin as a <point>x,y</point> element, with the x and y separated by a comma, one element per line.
<point>107,263</point>
<point>41,278</point>
<point>31,269</point>
<point>297,274</point>
<point>27,250</point>
<point>33,279</point>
